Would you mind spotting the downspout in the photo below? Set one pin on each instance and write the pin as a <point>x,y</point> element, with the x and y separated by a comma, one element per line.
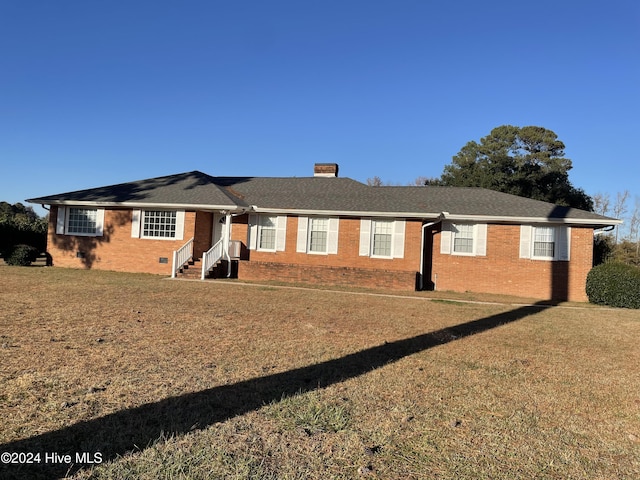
<point>430,224</point>
<point>227,235</point>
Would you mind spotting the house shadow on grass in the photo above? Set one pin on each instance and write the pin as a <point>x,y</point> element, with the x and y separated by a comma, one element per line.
<point>132,429</point>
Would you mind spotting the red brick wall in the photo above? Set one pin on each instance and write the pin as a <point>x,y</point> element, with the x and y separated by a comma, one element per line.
<point>348,248</point>
<point>502,271</point>
<point>346,267</point>
<point>324,275</point>
<point>115,250</point>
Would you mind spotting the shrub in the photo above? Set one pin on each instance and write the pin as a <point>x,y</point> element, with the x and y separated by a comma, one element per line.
<point>21,255</point>
<point>614,284</point>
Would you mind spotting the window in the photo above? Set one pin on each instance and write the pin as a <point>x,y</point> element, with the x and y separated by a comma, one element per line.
<point>318,234</point>
<point>267,233</point>
<point>463,238</point>
<point>382,238</point>
<point>82,221</point>
<point>544,242</point>
<point>159,224</point>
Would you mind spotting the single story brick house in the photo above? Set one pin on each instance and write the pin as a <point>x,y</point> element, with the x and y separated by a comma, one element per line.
<point>327,230</point>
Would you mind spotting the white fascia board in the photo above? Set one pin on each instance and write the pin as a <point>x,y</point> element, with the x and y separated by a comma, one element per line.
<point>345,213</point>
<point>163,206</point>
<point>527,220</point>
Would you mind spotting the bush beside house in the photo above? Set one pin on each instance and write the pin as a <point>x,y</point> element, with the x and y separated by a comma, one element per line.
<point>614,284</point>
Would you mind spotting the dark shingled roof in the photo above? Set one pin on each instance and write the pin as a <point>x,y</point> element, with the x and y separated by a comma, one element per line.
<point>321,194</point>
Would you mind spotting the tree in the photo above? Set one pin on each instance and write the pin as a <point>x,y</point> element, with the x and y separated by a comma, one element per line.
<point>21,225</point>
<point>524,161</point>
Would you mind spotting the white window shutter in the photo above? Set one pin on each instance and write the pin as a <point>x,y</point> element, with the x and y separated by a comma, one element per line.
<point>563,243</point>
<point>332,237</point>
<point>398,238</point>
<point>62,214</point>
<point>281,232</point>
<point>99,222</point>
<point>365,237</point>
<point>445,238</point>
<point>180,225</point>
<point>301,243</point>
<point>253,231</point>
<point>481,239</point>
<point>525,241</point>
<point>135,223</point>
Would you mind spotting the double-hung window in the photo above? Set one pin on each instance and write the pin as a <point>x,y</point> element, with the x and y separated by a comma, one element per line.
<point>468,239</point>
<point>463,238</point>
<point>382,238</point>
<point>544,242</point>
<point>267,233</point>
<point>318,234</point>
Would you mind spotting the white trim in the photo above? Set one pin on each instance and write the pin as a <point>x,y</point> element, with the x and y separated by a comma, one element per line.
<point>397,241</point>
<point>446,235</point>
<point>252,231</point>
<point>179,225</point>
<point>480,242</point>
<point>61,220</point>
<point>525,241</point>
<point>432,216</point>
<point>332,236</point>
<point>301,241</point>
<point>365,237</point>
<point>136,215</point>
<point>281,233</point>
<point>99,222</point>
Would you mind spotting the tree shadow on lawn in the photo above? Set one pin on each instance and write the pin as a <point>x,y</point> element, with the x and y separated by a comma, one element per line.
<point>136,428</point>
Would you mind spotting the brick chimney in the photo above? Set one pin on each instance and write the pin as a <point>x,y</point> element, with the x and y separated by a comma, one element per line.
<point>325,170</point>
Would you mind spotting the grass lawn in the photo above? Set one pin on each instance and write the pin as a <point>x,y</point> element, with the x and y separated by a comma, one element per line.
<point>181,380</point>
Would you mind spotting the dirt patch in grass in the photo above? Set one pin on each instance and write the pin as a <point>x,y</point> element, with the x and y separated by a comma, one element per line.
<point>170,379</point>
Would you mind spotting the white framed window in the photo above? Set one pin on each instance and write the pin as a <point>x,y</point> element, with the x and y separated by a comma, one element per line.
<point>80,221</point>
<point>267,233</point>
<point>157,224</point>
<point>463,239</point>
<point>545,242</point>
<point>382,238</point>
<point>318,235</point>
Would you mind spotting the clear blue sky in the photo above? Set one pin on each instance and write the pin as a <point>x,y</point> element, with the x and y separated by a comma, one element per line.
<point>95,92</point>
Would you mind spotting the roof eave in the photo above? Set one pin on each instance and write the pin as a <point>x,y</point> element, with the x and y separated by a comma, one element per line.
<point>595,222</point>
<point>160,205</point>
